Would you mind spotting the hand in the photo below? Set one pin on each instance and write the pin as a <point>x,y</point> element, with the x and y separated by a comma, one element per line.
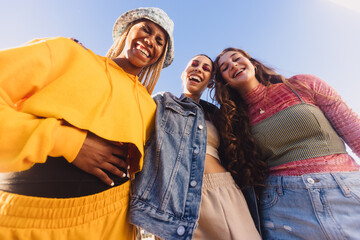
<point>98,154</point>
<point>77,41</point>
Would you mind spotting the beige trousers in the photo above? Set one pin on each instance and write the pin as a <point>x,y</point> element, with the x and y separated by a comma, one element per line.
<point>224,213</point>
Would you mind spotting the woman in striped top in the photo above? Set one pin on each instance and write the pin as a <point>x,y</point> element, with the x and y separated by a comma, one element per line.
<point>298,127</point>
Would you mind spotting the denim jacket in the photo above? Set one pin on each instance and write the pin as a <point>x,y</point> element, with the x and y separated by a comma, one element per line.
<point>166,195</point>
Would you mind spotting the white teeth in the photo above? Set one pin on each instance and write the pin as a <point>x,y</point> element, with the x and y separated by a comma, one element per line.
<point>146,53</point>
<point>195,78</point>
<point>238,72</point>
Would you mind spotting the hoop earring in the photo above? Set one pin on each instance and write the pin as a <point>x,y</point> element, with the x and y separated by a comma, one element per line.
<point>211,84</point>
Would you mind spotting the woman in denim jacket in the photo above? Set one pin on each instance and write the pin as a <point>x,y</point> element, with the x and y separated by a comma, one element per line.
<point>182,170</point>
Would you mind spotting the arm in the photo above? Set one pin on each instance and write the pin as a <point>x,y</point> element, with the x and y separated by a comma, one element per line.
<point>26,139</point>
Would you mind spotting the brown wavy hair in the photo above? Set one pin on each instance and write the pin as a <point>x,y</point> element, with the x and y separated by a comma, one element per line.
<point>239,152</point>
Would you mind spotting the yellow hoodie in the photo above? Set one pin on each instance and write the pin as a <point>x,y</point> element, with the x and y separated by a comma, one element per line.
<point>51,85</point>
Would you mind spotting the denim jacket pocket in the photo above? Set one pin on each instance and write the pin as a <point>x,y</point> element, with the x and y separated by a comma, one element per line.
<point>171,116</point>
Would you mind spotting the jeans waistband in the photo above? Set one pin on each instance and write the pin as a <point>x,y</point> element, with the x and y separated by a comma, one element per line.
<point>56,178</point>
<point>315,180</point>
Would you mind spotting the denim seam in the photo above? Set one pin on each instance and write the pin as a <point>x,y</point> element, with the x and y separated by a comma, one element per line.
<point>317,214</point>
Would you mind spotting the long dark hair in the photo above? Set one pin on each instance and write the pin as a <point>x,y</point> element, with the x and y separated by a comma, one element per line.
<point>238,151</point>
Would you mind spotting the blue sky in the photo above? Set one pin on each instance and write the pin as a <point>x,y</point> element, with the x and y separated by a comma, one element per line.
<point>320,37</point>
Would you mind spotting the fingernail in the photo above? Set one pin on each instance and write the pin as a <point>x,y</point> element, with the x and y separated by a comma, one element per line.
<point>124,175</point>
<point>127,174</point>
<point>128,167</point>
<point>112,184</point>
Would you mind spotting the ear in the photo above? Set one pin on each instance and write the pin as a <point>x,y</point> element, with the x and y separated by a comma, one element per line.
<point>183,77</point>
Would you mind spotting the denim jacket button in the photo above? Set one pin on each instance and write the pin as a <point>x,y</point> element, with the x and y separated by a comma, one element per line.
<point>193,183</point>
<point>180,230</point>
<point>310,180</point>
<point>196,151</point>
<point>201,127</point>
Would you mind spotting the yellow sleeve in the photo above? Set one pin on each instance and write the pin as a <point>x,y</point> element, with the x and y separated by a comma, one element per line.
<point>68,141</point>
<point>26,139</point>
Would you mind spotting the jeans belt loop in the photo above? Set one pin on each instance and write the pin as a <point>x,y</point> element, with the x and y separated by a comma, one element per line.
<point>345,190</point>
<point>279,188</point>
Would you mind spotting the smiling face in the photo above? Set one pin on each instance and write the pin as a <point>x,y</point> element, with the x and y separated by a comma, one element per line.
<point>237,71</point>
<point>145,42</point>
<point>197,76</point>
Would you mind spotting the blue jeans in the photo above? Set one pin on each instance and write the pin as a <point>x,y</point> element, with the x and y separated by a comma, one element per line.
<point>312,206</point>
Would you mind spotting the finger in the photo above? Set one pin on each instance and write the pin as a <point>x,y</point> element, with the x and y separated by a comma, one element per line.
<point>118,161</point>
<point>82,46</point>
<point>75,40</point>
<point>120,151</point>
<point>113,169</point>
<point>103,176</point>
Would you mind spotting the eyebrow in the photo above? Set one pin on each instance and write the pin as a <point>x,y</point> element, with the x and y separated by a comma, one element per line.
<point>160,38</point>
<point>229,57</point>
<point>149,28</point>
<point>146,25</point>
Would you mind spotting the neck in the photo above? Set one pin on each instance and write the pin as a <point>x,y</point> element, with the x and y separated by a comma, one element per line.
<point>127,66</point>
<point>194,97</point>
<point>243,90</point>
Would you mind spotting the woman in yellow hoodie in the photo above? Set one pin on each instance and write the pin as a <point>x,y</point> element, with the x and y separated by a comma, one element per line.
<point>73,124</point>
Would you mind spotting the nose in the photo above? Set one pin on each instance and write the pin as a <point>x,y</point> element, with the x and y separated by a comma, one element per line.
<point>149,41</point>
<point>233,64</point>
<point>197,69</point>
